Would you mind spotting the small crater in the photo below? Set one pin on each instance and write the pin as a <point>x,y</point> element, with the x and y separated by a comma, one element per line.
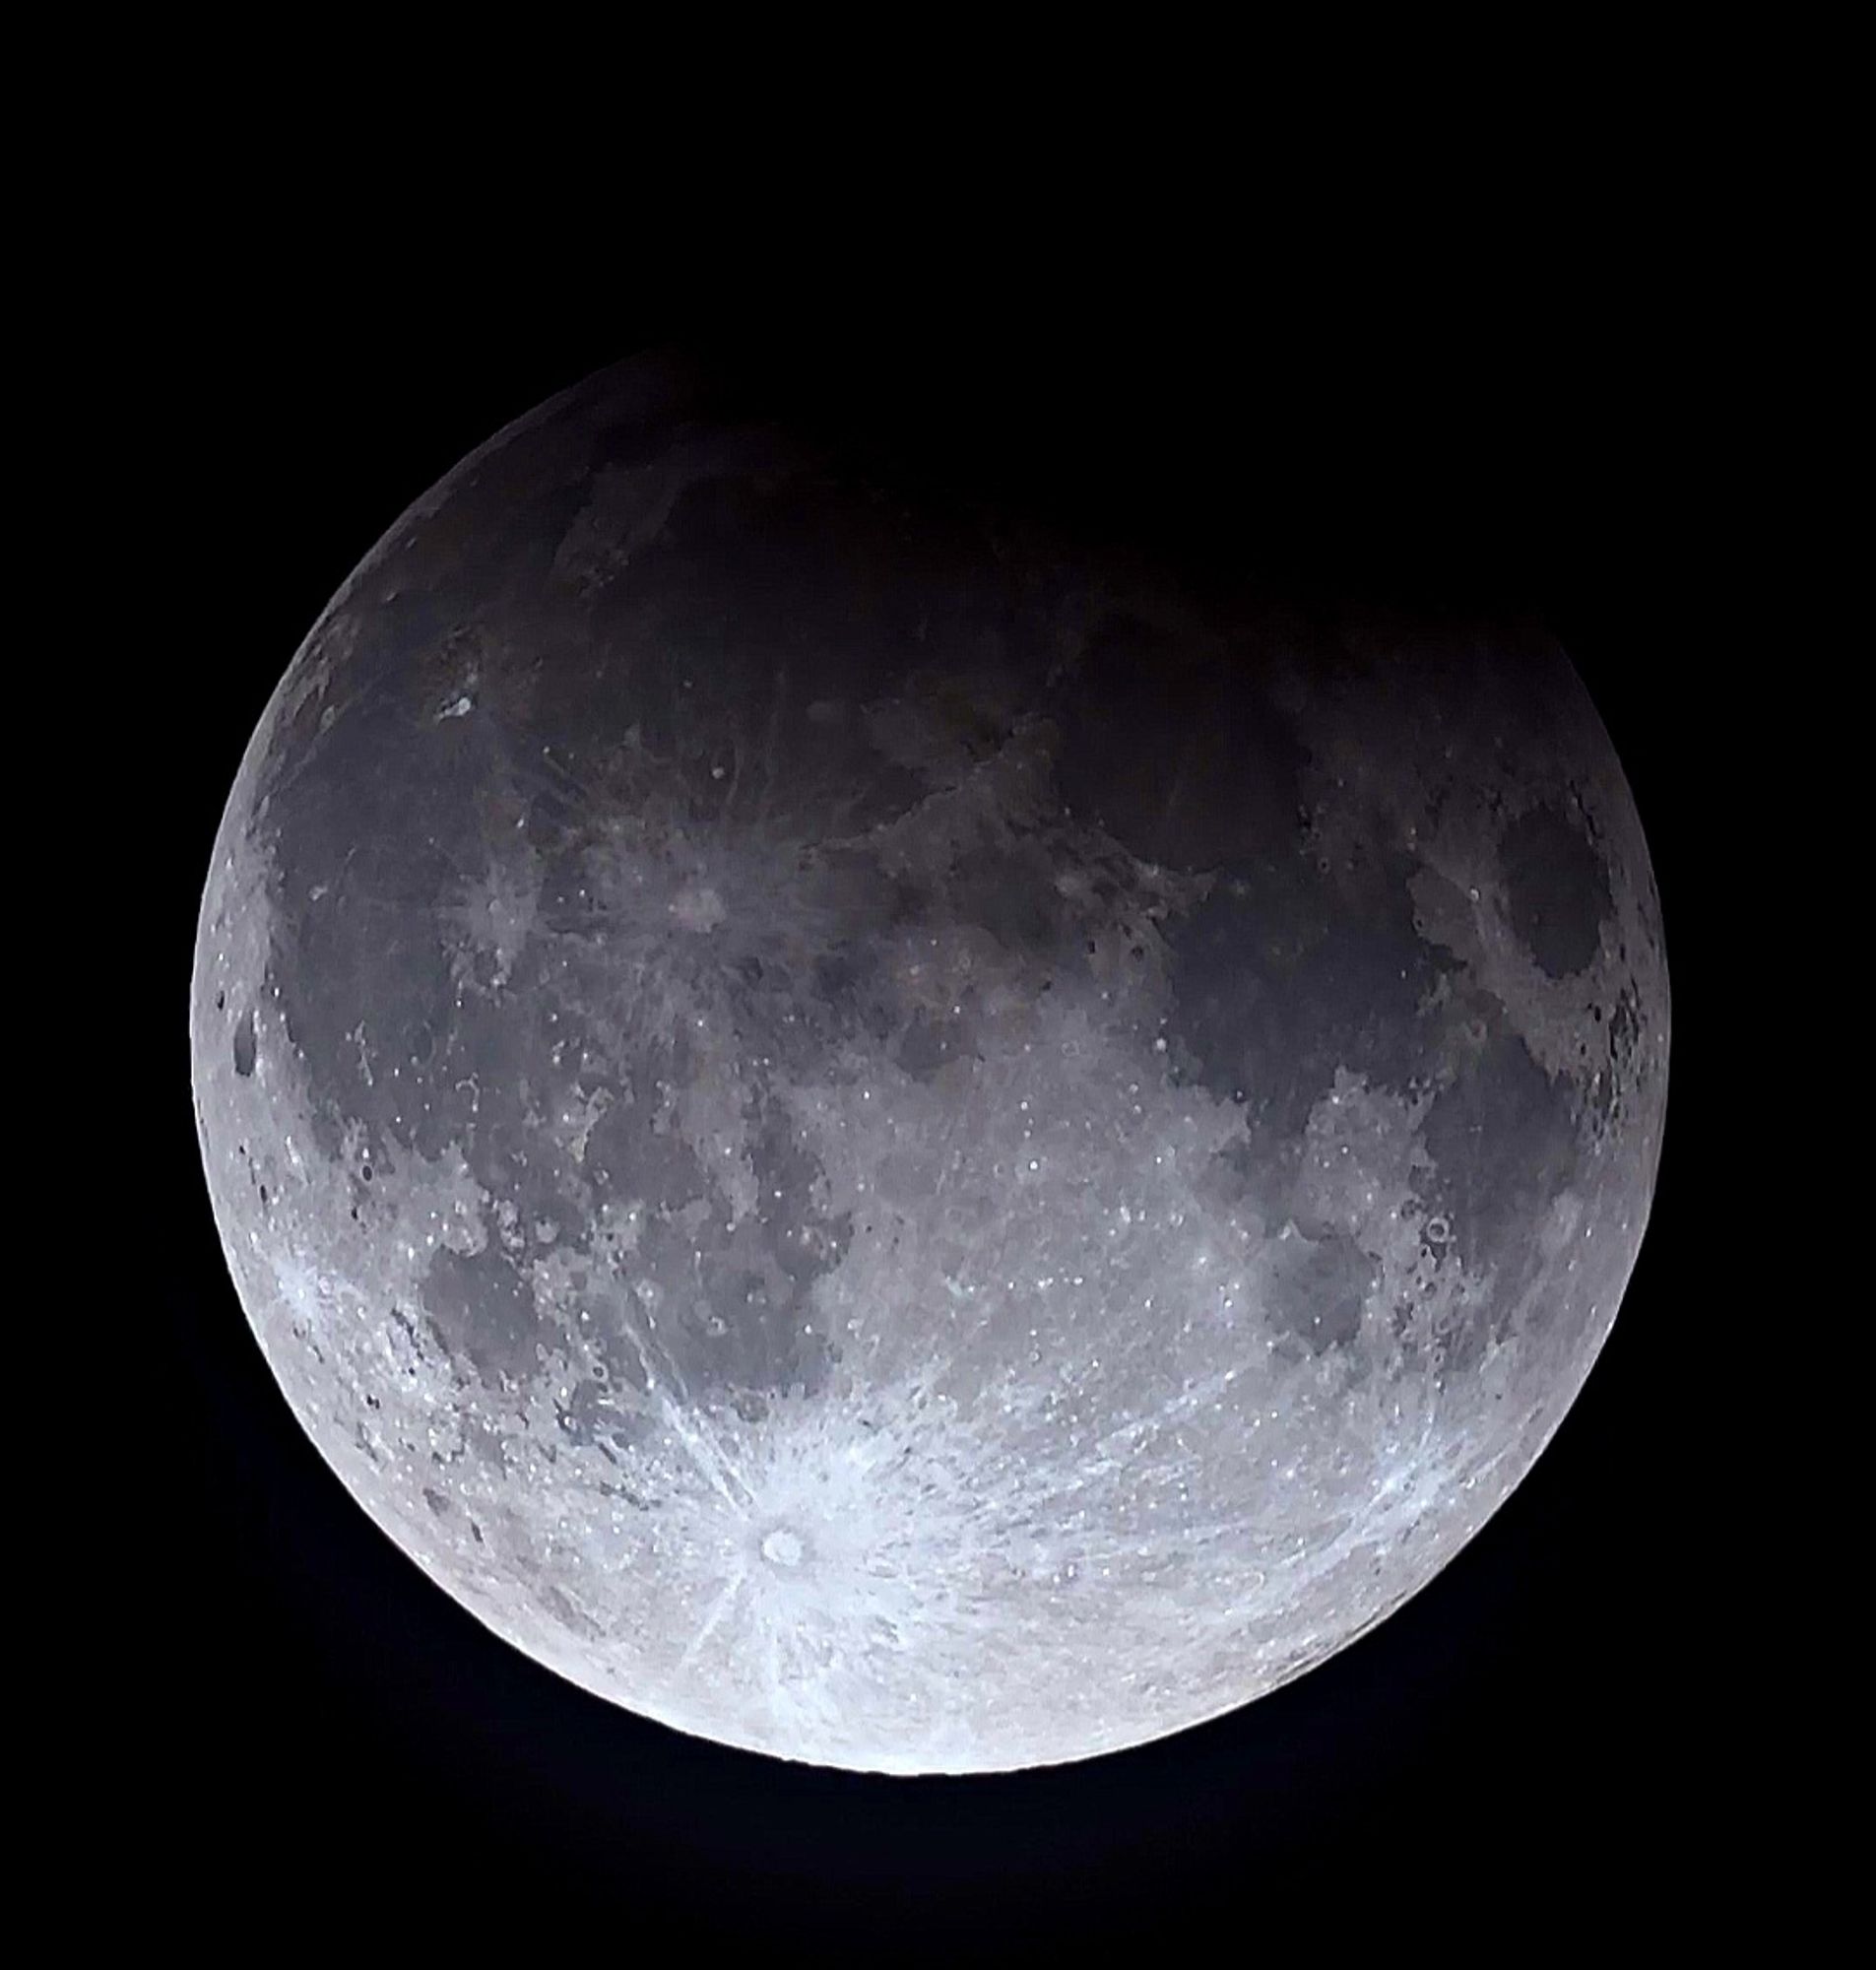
<point>782,1548</point>
<point>244,1045</point>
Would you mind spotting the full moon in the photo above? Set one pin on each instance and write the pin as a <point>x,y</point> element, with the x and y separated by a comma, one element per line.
<point>894,1141</point>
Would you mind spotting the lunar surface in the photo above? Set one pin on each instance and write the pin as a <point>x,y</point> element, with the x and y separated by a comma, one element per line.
<point>893,1143</point>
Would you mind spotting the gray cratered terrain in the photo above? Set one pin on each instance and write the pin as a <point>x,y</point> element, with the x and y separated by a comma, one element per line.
<point>895,1144</point>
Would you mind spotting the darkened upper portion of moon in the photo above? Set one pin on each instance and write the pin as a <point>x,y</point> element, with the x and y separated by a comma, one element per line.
<point>659,767</point>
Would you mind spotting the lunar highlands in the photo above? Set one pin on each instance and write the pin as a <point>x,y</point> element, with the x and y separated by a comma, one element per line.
<point>897,1142</point>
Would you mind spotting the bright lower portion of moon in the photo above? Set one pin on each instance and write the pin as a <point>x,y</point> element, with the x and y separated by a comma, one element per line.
<point>894,1146</point>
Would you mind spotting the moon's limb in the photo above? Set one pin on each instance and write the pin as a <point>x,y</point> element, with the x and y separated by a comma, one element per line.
<point>899,1149</point>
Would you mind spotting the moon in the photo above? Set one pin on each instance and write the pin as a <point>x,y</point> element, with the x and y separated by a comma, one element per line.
<point>896,1141</point>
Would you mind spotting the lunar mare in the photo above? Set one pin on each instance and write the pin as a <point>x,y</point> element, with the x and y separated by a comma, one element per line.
<point>894,1144</point>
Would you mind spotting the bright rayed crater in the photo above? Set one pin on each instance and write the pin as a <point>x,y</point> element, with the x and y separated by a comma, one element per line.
<point>895,1144</point>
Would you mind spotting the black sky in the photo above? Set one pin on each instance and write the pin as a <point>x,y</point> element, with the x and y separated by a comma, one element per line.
<point>1542,1723</point>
